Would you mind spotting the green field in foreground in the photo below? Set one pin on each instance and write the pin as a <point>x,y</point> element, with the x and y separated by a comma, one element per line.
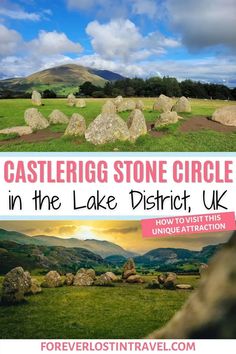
<point>124,311</point>
<point>12,114</point>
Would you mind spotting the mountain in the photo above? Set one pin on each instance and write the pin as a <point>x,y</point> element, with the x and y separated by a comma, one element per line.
<point>102,248</point>
<point>44,258</point>
<point>174,259</point>
<point>62,79</point>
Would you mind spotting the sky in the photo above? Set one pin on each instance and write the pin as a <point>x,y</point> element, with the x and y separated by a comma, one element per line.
<point>124,233</point>
<point>136,38</point>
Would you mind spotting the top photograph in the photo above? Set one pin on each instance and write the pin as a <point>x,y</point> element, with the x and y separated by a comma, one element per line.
<point>117,76</point>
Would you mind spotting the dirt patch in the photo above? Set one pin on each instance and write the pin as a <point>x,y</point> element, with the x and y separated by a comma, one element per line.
<point>40,135</point>
<point>199,123</point>
<point>152,131</point>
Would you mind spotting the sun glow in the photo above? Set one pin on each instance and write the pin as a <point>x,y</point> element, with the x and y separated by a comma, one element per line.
<point>86,233</point>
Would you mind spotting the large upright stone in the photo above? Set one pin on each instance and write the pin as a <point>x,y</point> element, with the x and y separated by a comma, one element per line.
<point>126,105</point>
<point>166,119</point>
<point>168,280</point>
<point>163,104</point>
<point>225,115</point>
<point>209,312</point>
<point>112,276</point>
<point>107,128</point>
<point>80,103</point>
<point>109,108</point>
<point>136,124</point>
<point>76,126</point>
<point>117,101</point>
<point>182,105</point>
<point>35,119</point>
<point>69,279</point>
<point>71,100</point>
<point>58,117</point>
<point>15,285</point>
<point>84,277</point>
<point>103,280</point>
<point>128,269</point>
<point>35,287</point>
<point>52,280</point>
<point>140,105</point>
<point>36,98</point>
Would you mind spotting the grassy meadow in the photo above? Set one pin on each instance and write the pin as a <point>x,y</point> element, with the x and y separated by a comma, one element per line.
<point>125,311</point>
<point>171,139</point>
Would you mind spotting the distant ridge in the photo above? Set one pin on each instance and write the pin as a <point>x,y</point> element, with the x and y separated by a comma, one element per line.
<point>63,78</point>
<point>102,248</point>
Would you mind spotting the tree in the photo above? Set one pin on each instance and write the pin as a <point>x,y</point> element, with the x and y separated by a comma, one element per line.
<point>87,88</point>
<point>49,94</point>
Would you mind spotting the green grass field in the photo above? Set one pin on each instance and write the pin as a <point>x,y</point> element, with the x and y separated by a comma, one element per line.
<point>124,311</point>
<point>12,114</point>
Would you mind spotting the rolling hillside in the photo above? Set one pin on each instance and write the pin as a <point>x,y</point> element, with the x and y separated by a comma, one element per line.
<point>102,248</point>
<point>44,258</point>
<point>62,79</point>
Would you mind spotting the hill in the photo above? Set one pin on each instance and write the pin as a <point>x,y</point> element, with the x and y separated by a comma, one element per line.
<point>44,258</point>
<point>62,79</point>
<point>102,248</point>
<point>176,259</point>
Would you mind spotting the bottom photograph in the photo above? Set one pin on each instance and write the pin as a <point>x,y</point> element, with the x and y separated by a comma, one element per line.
<point>100,279</point>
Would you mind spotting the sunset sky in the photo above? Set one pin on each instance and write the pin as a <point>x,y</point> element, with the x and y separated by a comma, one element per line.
<point>127,234</point>
<point>185,39</point>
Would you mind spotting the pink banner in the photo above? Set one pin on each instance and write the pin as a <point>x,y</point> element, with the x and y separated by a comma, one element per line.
<point>193,224</point>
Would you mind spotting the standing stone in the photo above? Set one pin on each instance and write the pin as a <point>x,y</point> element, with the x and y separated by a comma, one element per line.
<point>71,100</point>
<point>117,101</point>
<point>76,126</point>
<point>69,279</point>
<point>168,280</point>
<point>36,98</point>
<point>225,115</point>
<point>52,280</point>
<point>112,276</point>
<point>182,105</point>
<point>166,119</point>
<point>35,287</point>
<point>58,117</point>
<point>136,124</point>
<point>84,277</point>
<point>80,103</point>
<point>163,104</point>
<point>109,108</point>
<point>140,105</point>
<point>209,312</point>
<point>128,269</point>
<point>103,280</point>
<point>107,129</point>
<point>35,119</point>
<point>134,279</point>
<point>126,105</point>
<point>15,285</point>
<point>203,269</point>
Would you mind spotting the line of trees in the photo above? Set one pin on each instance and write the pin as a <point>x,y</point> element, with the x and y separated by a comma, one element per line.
<point>155,86</point>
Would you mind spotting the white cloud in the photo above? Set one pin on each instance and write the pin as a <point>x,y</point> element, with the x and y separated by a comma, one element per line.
<point>121,39</point>
<point>14,11</point>
<point>51,43</point>
<point>204,23</point>
<point>145,7</point>
<point>210,69</point>
<point>118,38</point>
<point>10,41</point>
<point>116,8</point>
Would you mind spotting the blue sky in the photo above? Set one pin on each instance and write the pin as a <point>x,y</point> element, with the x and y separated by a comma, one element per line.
<point>185,39</point>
